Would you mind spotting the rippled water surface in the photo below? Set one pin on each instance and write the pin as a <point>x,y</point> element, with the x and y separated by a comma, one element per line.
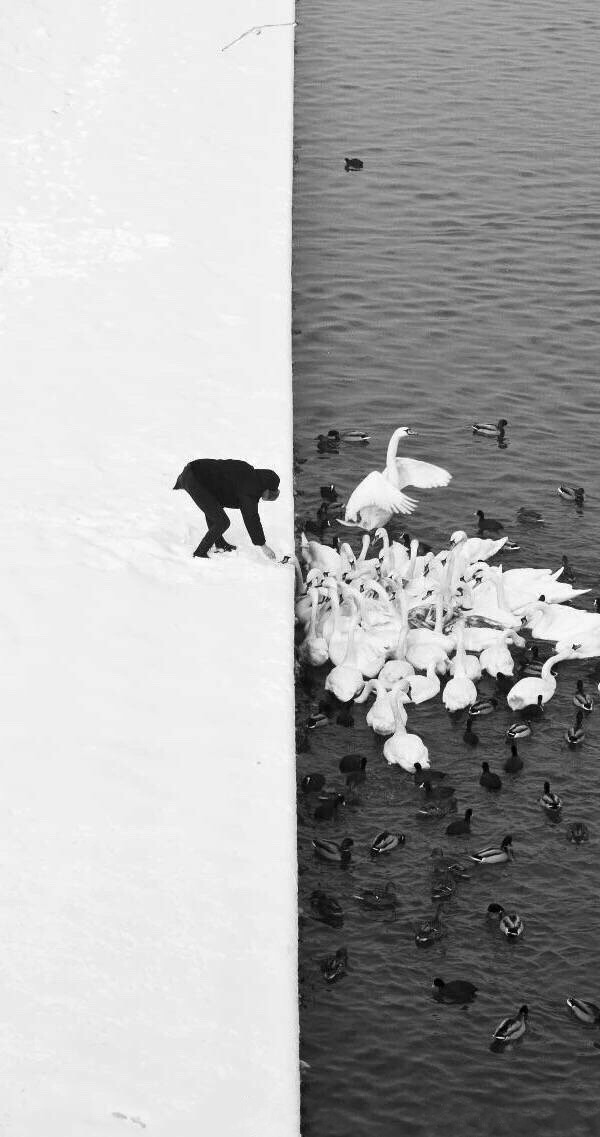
<point>455,278</point>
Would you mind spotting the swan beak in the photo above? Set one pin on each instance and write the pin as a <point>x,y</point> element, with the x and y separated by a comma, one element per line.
<point>411,432</point>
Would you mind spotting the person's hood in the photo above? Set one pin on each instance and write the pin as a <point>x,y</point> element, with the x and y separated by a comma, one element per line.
<point>267,480</point>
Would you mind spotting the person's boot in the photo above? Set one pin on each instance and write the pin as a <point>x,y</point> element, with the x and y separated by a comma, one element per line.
<point>224,545</point>
<point>203,549</point>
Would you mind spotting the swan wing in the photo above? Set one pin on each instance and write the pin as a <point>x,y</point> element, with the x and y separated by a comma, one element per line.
<point>376,491</point>
<point>423,475</point>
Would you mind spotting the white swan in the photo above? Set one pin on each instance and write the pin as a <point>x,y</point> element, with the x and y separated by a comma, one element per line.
<point>380,716</point>
<point>404,749</point>
<point>379,496</point>
<point>527,691</point>
<point>496,659</point>
<point>346,680</point>
<point>394,555</point>
<point>314,649</point>
<point>394,671</point>
<point>424,687</point>
<point>460,692</point>
<point>323,557</point>
<point>553,622</point>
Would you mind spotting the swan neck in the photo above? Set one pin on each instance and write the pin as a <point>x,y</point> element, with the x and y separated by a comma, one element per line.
<point>392,449</point>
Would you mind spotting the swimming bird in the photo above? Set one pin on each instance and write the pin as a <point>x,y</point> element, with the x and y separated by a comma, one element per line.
<point>572,493</point>
<point>329,493</point>
<point>379,496</point>
<point>326,810</point>
<point>443,863</point>
<point>353,163</point>
<point>351,762</point>
<point>529,516</point>
<point>510,923</point>
<point>378,899</point>
<point>326,445</point>
<point>442,887</point>
<point>469,736</point>
<point>575,734</point>
<point>518,730</point>
<point>315,721</point>
<point>494,855</point>
<point>340,852</point>
<point>568,574</point>
<point>432,809</point>
<point>334,967</point>
<point>456,991</point>
<point>419,775</point>
<point>488,779</point>
<point>587,1013</point>
<point>487,523</point>
<point>577,832</point>
<point>438,791</point>
<point>461,827</point>
<point>526,692</point>
<point>488,429</point>
<point>511,547</point>
<point>581,700</point>
<point>430,930</point>
<point>514,763</point>
<point>510,1029</point>
<point>349,435</point>
<point>326,908</point>
<point>385,842</point>
<point>550,801</point>
<point>312,783</point>
<point>483,707</point>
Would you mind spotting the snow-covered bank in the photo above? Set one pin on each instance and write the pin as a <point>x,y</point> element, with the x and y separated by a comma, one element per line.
<point>148,838</point>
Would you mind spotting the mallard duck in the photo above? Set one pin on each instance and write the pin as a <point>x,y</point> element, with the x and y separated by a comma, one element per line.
<point>328,809</point>
<point>575,734</point>
<point>510,1029</point>
<point>312,783</point>
<point>353,163</point>
<point>430,931</point>
<point>514,763</point>
<point>529,516</point>
<point>510,547</point>
<point>550,801</point>
<point>586,1012</point>
<point>419,775</point>
<point>483,707</point>
<point>488,429</point>
<point>435,809</point>
<point>581,700</point>
<point>510,923</point>
<point>378,899</point>
<point>577,832</point>
<point>349,435</point>
<point>571,493</point>
<point>488,779</point>
<point>334,850</point>
<point>494,855</point>
<point>456,991</point>
<point>351,762</point>
<point>315,721</point>
<point>442,887</point>
<point>385,841</point>
<point>461,827</point>
<point>334,967</point>
<point>326,908</point>
<point>327,445</point>
<point>518,730</point>
<point>489,524</point>
<point>469,736</point>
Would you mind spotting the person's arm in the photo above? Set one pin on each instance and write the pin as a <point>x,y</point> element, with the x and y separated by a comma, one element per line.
<point>249,511</point>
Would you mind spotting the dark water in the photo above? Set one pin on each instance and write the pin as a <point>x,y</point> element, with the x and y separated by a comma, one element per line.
<point>454,278</point>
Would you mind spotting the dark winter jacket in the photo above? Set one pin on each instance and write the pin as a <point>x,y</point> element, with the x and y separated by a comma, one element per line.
<point>234,485</point>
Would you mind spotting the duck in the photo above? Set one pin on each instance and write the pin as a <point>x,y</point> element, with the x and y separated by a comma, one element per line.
<point>586,1012</point>
<point>329,493</point>
<point>430,930</point>
<point>530,516</point>
<point>511,546</point>
<point>577,832</point>
<point>462,826</point>
<point>488,779</point>
<point>494,855</point>
<point>510,1029</point>
<point>420,775</point>
<point>514,763</point>
<point>568,573</point>
<point>483,707</point>
<point>334,967</point>
<point>442,888</point>
<point>469,737</point>
<point>575,734</point>
<point>379,496</point>
<point>488,523</point>
<point>526,692</point>
<point>456,991</point>
<point>338,851</point>
<point>312,783</point>
<point>518,730</point>
<point>571,493</point>
<point>550,801</point>
<point>349,435</point>
<point>385,842</point>
<point>326,810</point>
<point>510,923</point>
<point>326,908</point>
<point>450,865</point>
<point>315,721</point>
<point>378,899</point>
<point>488,429</point>
<point>352,762</point>
<point>353,163</point>
<point>581,700</point>
<point>326,445</point>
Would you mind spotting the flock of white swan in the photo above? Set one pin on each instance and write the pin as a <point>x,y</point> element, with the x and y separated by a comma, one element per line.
<point>392,624</point>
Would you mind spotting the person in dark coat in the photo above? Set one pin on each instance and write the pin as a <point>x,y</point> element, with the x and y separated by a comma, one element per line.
<point>214,484</point>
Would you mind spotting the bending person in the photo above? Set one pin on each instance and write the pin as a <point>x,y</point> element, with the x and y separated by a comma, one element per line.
<point>214,484</point>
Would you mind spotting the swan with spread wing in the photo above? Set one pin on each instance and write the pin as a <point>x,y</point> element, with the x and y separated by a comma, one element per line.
<point>380,495</point>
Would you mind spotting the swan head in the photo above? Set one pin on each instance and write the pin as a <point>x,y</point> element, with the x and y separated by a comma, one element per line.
<point>405,432</point>
<point>458,537</point>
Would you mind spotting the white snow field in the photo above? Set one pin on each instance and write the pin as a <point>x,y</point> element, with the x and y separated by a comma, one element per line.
<point>147,843</point>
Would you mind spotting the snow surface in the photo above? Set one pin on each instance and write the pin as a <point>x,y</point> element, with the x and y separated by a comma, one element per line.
<point>147,843</point>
